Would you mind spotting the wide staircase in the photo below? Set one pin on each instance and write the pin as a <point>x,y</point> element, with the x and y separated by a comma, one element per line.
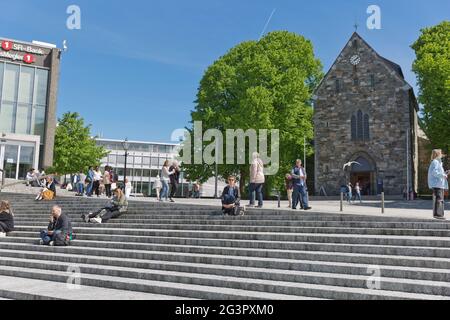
<point>174,251</point>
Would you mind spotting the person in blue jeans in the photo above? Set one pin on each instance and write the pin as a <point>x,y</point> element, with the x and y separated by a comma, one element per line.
<point>90,182</point>
<point>59,230</point>
<point>299,181</point>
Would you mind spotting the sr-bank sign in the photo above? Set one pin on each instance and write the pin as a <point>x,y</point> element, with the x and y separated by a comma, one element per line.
<point>19,52</point>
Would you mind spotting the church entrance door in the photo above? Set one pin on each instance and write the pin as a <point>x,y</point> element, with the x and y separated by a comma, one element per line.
<point>365,173</point>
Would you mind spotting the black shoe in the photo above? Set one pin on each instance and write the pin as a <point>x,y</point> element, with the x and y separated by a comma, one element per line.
<point>308,208</point>
<point>439,218</point>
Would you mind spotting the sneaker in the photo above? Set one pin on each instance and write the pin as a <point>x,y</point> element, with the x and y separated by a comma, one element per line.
<point>439,218</point>
<point>41,242</point>
<point>2,235</point>
<point>308,208</point>
<point>96,220</point>
<point>52,243</point>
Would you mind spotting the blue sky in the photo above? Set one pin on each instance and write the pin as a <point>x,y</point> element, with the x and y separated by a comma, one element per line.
<point>134,68</point>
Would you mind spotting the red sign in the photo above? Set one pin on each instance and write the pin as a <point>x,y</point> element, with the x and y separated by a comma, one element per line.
<point>7,45</point>
<point>28,58</point>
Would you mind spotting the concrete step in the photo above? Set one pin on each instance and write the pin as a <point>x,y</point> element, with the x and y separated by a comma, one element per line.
<point>18,288</point>
<point>250,248</point>
<point>261,229</point>
<point>153,286</point>
<point>262,272</point>
<point>130,243</point>
<point>263,236</point>
<point>254,261</point>
<point>227,221</point>
<point>280,287</point>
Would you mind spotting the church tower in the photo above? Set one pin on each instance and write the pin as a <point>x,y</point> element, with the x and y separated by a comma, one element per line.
<point>365,113</point>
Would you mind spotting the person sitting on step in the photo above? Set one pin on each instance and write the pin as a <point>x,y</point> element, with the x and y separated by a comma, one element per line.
<point>59,231</point>
<point>119,206</point>
<point>231,198</point>
<point>6,219</point>
<point>48,191</point>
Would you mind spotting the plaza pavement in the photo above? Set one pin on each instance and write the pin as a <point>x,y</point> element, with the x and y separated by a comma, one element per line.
<point>417,209</point>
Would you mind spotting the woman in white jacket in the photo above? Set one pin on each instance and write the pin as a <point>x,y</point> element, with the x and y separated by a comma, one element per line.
<point>437,181</point>
<point>165,178</point>
<point>257,180</point>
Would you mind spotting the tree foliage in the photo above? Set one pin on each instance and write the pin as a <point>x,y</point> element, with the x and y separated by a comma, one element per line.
<point>432,67</point>
<point>266,84</point>
<point>75,149</point>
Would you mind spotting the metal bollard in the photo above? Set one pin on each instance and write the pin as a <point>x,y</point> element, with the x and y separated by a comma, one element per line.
<point>279,199</point>
<point>382,203</point>
<point>342,201</point>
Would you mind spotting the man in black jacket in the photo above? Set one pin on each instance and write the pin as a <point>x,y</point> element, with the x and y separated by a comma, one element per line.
<point>174,180</point>
<point>59,231</point>
<point>231,198</point>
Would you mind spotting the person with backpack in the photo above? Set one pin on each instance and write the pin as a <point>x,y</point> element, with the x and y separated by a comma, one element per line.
<point>6,218</point>
<point>231,198</point>
<point>119,206</point>
<point>59,230</point>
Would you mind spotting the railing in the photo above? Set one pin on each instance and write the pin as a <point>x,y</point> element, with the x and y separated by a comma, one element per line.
<point>2,182</point>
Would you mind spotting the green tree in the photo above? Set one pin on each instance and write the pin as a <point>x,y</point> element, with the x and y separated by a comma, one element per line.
<point>266,84</point>
<point>75,149</point>
<point>432,67</point>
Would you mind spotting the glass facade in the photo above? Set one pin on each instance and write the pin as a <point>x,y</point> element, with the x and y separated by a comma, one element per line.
<point>23,99</point>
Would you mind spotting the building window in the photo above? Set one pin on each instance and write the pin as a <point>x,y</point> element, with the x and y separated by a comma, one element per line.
<point>372,81</point>
<point>338,86</point>
<point>355,82</point>
<point>360,126</point>
<point>355,44</point>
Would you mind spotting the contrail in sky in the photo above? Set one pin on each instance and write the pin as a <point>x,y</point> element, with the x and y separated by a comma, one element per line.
<point>267,23</point>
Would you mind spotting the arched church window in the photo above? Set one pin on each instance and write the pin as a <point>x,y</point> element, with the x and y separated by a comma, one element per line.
<point>338,86</point>
<point>360,126</point>
<point>366,128</point>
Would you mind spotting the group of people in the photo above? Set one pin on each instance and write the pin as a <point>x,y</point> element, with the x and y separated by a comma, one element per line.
<point>296,188</point>
<point>352,193</point>
<point>96,182</point>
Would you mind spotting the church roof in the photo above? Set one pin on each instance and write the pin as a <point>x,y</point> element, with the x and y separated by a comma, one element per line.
<point>389,64</point>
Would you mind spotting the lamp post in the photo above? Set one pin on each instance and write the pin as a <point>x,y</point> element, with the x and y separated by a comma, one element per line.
<point>126,146</point>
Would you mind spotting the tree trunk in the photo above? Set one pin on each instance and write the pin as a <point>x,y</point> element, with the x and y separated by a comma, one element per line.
<point>242,183</point>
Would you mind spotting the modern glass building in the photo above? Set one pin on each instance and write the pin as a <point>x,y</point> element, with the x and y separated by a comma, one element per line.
<point>29,74</point>
<point>144,161</point>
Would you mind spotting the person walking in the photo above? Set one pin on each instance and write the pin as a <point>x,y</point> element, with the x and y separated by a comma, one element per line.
<point>174,179</point>
<point>257,181</point>
<point>128,189</point>
<point>289,189</point>
<point>165,178</point>
<point>97,179</point>
<point>358,192</point>
<point>157,187</point>
<point>89,182</point>
<point>299,180</point>
<point>107,181</point>
<point>349,192</point>
<point>437,181</point>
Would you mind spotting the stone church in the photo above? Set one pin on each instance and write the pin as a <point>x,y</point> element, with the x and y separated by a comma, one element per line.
<point>366,114</point>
